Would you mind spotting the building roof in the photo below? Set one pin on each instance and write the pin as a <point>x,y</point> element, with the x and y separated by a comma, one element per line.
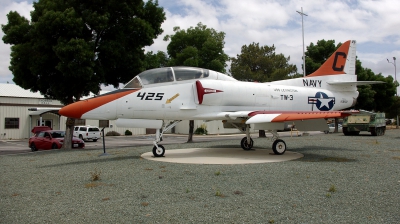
<point>12,90</point>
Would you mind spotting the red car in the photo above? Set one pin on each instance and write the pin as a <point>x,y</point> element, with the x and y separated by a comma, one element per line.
<point>52,139</point>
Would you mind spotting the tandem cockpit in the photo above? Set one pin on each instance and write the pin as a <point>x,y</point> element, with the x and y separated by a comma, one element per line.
<point>173,75</point>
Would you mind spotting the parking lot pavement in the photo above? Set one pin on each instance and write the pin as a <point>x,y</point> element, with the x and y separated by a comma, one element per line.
<point>8,147</point>
<point>13,147</point>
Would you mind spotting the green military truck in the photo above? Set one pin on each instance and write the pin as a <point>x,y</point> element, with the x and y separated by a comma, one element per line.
<point>365,121</point>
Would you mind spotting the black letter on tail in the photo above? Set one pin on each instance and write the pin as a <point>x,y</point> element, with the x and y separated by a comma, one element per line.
<point>338,69</point>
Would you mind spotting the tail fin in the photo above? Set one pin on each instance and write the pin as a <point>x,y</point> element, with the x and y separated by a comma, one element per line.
<point>342,61</point>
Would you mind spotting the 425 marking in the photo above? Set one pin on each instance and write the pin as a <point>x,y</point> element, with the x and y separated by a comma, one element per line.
<point>150,96</point>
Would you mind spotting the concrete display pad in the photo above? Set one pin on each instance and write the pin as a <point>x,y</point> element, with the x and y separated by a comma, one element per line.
<point>221,156</point>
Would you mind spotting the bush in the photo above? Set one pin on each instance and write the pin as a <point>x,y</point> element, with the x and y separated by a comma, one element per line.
<point>127,132</point>
<point>113,133</point>
<point>202,130</point>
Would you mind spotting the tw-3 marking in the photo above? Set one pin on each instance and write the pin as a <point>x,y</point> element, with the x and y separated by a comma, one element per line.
<point>286,97</point>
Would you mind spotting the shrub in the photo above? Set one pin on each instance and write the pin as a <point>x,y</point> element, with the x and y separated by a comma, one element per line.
<point>202,130</point>
<point>113,133</point>
<point>127,132</point>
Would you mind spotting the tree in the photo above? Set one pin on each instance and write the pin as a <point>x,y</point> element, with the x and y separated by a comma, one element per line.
<point>198,47</point>
<point>393,111</point>
<point>261,64</point>
<point>71,47</point>
<point>155,60</point>
<point>378,97</point>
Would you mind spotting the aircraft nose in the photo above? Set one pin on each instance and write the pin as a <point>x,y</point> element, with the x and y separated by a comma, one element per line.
<point>86,107</point>
<point>73,110</point>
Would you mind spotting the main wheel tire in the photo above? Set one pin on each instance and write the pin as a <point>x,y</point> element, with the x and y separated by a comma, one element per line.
<point>158,152</point>
<point>94,140</point>
<point>54,146</point>
<point>33,147</point>
<point>279,147</point>
<point>81,137</point>
<point>245,145</point>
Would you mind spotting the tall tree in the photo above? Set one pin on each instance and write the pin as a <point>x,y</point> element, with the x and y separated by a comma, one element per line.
<point>261,64</point>
<point>70,47</point>
<point>199,47</point>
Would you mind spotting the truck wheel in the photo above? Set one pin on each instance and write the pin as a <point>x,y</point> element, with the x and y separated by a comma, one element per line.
<point>345,132</point>
<point>355,133</point>
<point>381,131</point>
<point>373,131</point>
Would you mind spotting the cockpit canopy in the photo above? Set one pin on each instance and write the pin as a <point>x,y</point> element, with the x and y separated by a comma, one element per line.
<point>172,74</point>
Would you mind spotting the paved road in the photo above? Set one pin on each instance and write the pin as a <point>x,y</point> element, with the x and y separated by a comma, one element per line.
<point>8,147</point>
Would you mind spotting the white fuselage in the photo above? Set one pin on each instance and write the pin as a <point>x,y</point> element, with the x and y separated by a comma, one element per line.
<point>180,100</point>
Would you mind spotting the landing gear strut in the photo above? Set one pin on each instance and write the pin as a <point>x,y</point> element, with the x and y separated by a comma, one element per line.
<point>278,146</point>
<point>246,142</point>
<point>159,150</point>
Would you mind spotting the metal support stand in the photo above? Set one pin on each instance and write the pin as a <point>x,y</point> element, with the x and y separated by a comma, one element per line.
<point>104,144</point>
<point>395,80</point>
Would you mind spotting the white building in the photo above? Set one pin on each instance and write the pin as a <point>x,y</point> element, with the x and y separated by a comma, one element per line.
<point>17,120</point>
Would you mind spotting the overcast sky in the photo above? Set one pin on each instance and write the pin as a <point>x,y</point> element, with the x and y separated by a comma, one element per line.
<point>374,24</point>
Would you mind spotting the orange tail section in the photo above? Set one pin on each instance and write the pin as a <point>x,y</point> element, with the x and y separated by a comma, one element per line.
<point>342,61</point>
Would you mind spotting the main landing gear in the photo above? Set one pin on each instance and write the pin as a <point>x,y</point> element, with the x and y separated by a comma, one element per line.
<point>278,145</point>
<point>159,150</point>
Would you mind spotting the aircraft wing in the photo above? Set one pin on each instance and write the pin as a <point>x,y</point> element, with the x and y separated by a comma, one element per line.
<point>304,120</point>
<point>282,116</point>
<point>275,116</point>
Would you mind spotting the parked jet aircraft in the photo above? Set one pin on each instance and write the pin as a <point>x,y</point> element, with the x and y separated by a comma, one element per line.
<point>161,98</point>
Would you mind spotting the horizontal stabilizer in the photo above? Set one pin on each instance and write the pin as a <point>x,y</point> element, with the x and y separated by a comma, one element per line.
<point>357,83</point>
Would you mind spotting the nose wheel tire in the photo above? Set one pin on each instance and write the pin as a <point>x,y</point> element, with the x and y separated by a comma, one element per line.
<point>245,145</point>
<point>279,147</point>
<point>158,152</point>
